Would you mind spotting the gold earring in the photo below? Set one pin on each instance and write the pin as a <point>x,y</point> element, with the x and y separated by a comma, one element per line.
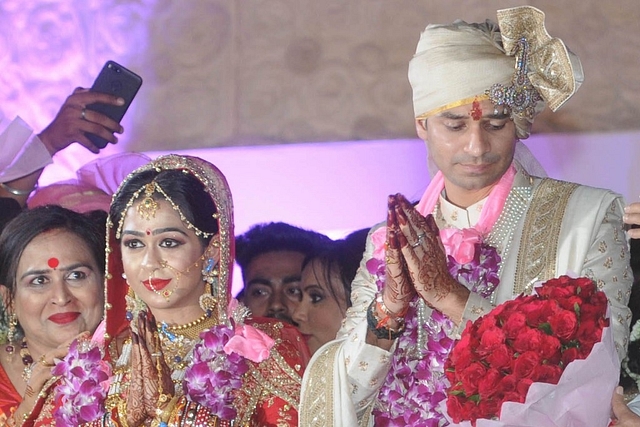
<point>11,335</point>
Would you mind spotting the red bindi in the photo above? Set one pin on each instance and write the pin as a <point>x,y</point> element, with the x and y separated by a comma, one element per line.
<point>476,111</point>
<point>53,262</point>
<point>148,232</point>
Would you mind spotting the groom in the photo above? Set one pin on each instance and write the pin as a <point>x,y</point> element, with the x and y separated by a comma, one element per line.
<point>476,90</point>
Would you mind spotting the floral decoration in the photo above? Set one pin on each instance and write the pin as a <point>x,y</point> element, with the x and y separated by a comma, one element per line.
<point>84,383</point>
<point>214,375</point>
<point>416,383</point>
<point>529,339</point>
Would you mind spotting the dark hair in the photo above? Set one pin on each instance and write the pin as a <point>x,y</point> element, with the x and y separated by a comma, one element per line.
<point>186,191</point>
<point>9,209</point>
<point>342,257</point>
<point>277,236</point>
<point>29,224</point>
<point>633,351</point>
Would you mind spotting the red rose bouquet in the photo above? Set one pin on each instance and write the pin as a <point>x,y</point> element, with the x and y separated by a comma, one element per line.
<point>546,359</point>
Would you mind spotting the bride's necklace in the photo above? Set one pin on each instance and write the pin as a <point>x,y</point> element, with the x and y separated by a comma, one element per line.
<point>178,341</point>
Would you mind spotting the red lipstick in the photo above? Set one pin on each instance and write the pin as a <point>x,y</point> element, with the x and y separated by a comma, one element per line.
<point>64,318</point>
<point>156,284</point>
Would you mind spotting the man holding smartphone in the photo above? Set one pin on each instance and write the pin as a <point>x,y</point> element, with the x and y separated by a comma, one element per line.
<point>23,154</point>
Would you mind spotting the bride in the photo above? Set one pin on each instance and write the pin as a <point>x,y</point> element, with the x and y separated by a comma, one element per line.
<point>181,351</point>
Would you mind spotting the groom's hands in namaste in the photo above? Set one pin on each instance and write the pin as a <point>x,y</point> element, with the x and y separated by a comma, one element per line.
<point>426,261</point>
<point>398,291</point>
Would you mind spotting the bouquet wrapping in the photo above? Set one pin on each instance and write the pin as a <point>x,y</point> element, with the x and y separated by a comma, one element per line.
<point>546,359</point>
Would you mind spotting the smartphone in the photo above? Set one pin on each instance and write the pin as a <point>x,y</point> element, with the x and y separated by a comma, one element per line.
<point>115,80</point>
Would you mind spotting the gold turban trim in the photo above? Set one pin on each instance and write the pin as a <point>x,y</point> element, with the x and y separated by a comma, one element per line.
<point>457,63</point>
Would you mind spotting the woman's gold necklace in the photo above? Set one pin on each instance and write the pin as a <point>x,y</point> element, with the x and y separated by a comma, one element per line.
<point>177,341</point>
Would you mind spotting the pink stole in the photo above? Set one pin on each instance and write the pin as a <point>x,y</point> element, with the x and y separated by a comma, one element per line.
<point>491,209</point>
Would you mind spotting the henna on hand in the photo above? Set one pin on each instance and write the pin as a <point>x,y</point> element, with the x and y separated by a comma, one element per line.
<point>135,405</point>
<point>158,387</point>
<point>425,257</point>
<point>398,290</point>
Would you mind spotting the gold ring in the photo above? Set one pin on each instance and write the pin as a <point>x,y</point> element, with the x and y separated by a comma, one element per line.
<point>43,361</point>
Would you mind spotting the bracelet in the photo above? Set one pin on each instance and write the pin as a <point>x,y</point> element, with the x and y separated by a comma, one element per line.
<point>376,325</point>
<point>15,191</point>
<point>398,317</point>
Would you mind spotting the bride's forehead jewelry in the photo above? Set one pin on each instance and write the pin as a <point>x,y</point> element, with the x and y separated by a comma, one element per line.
<point>148,207</point>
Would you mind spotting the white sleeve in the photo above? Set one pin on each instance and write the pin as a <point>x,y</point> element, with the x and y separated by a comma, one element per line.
<point>21,151</point>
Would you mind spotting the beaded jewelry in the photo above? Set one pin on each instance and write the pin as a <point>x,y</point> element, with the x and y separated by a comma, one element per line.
<point>11,335</point>
<point>27,360</point>
<point>148,207</point>
<point>520,96</point>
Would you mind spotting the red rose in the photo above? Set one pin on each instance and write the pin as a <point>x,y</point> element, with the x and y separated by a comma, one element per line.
<point>569,355</point>
<point>564,325</point>
<point>535,312</point>
<point>556,292</point>
<point>461,355</point>
<point>513,396</point>
<point>490,340</point>
<point>489,408</point>
<point>514,324</point>
<point>589,331</point>
<point>525,365</point>
<point>591,312</point>
<point>488,384</point>
<point>571,303</point>
<point>587,287</point>
<point>470,377</point>
<point>522,388</point>
<point>549,374</point>
<point>454,408</point>
<point>600,301</point>
<point>500,357</point>
<point>549,348</point>
<point>508,383</point>
<point>529,339</point>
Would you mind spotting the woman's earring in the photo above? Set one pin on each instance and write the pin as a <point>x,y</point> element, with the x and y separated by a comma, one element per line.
<point>124,276</point>
<point>11,334</point>
<point>210,273</point>
<point>133,305</point>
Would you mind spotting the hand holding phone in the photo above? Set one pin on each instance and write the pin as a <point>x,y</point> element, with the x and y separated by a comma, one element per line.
<point>116,80</point>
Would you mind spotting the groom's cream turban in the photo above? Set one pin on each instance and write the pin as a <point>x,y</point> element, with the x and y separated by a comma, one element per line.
<point>515,63</point>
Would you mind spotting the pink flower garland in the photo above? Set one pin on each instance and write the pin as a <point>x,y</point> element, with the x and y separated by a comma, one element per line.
<point>219,363</point>
<point>214,375</point>
<point>83,386</point>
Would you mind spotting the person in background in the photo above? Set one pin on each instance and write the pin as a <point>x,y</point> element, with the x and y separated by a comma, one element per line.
<point>270,257</point>
<point>476,91</point>
<point>326,289</point>
<point>51,275</point>
<point>629,416</point>
<point>23,154</point>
